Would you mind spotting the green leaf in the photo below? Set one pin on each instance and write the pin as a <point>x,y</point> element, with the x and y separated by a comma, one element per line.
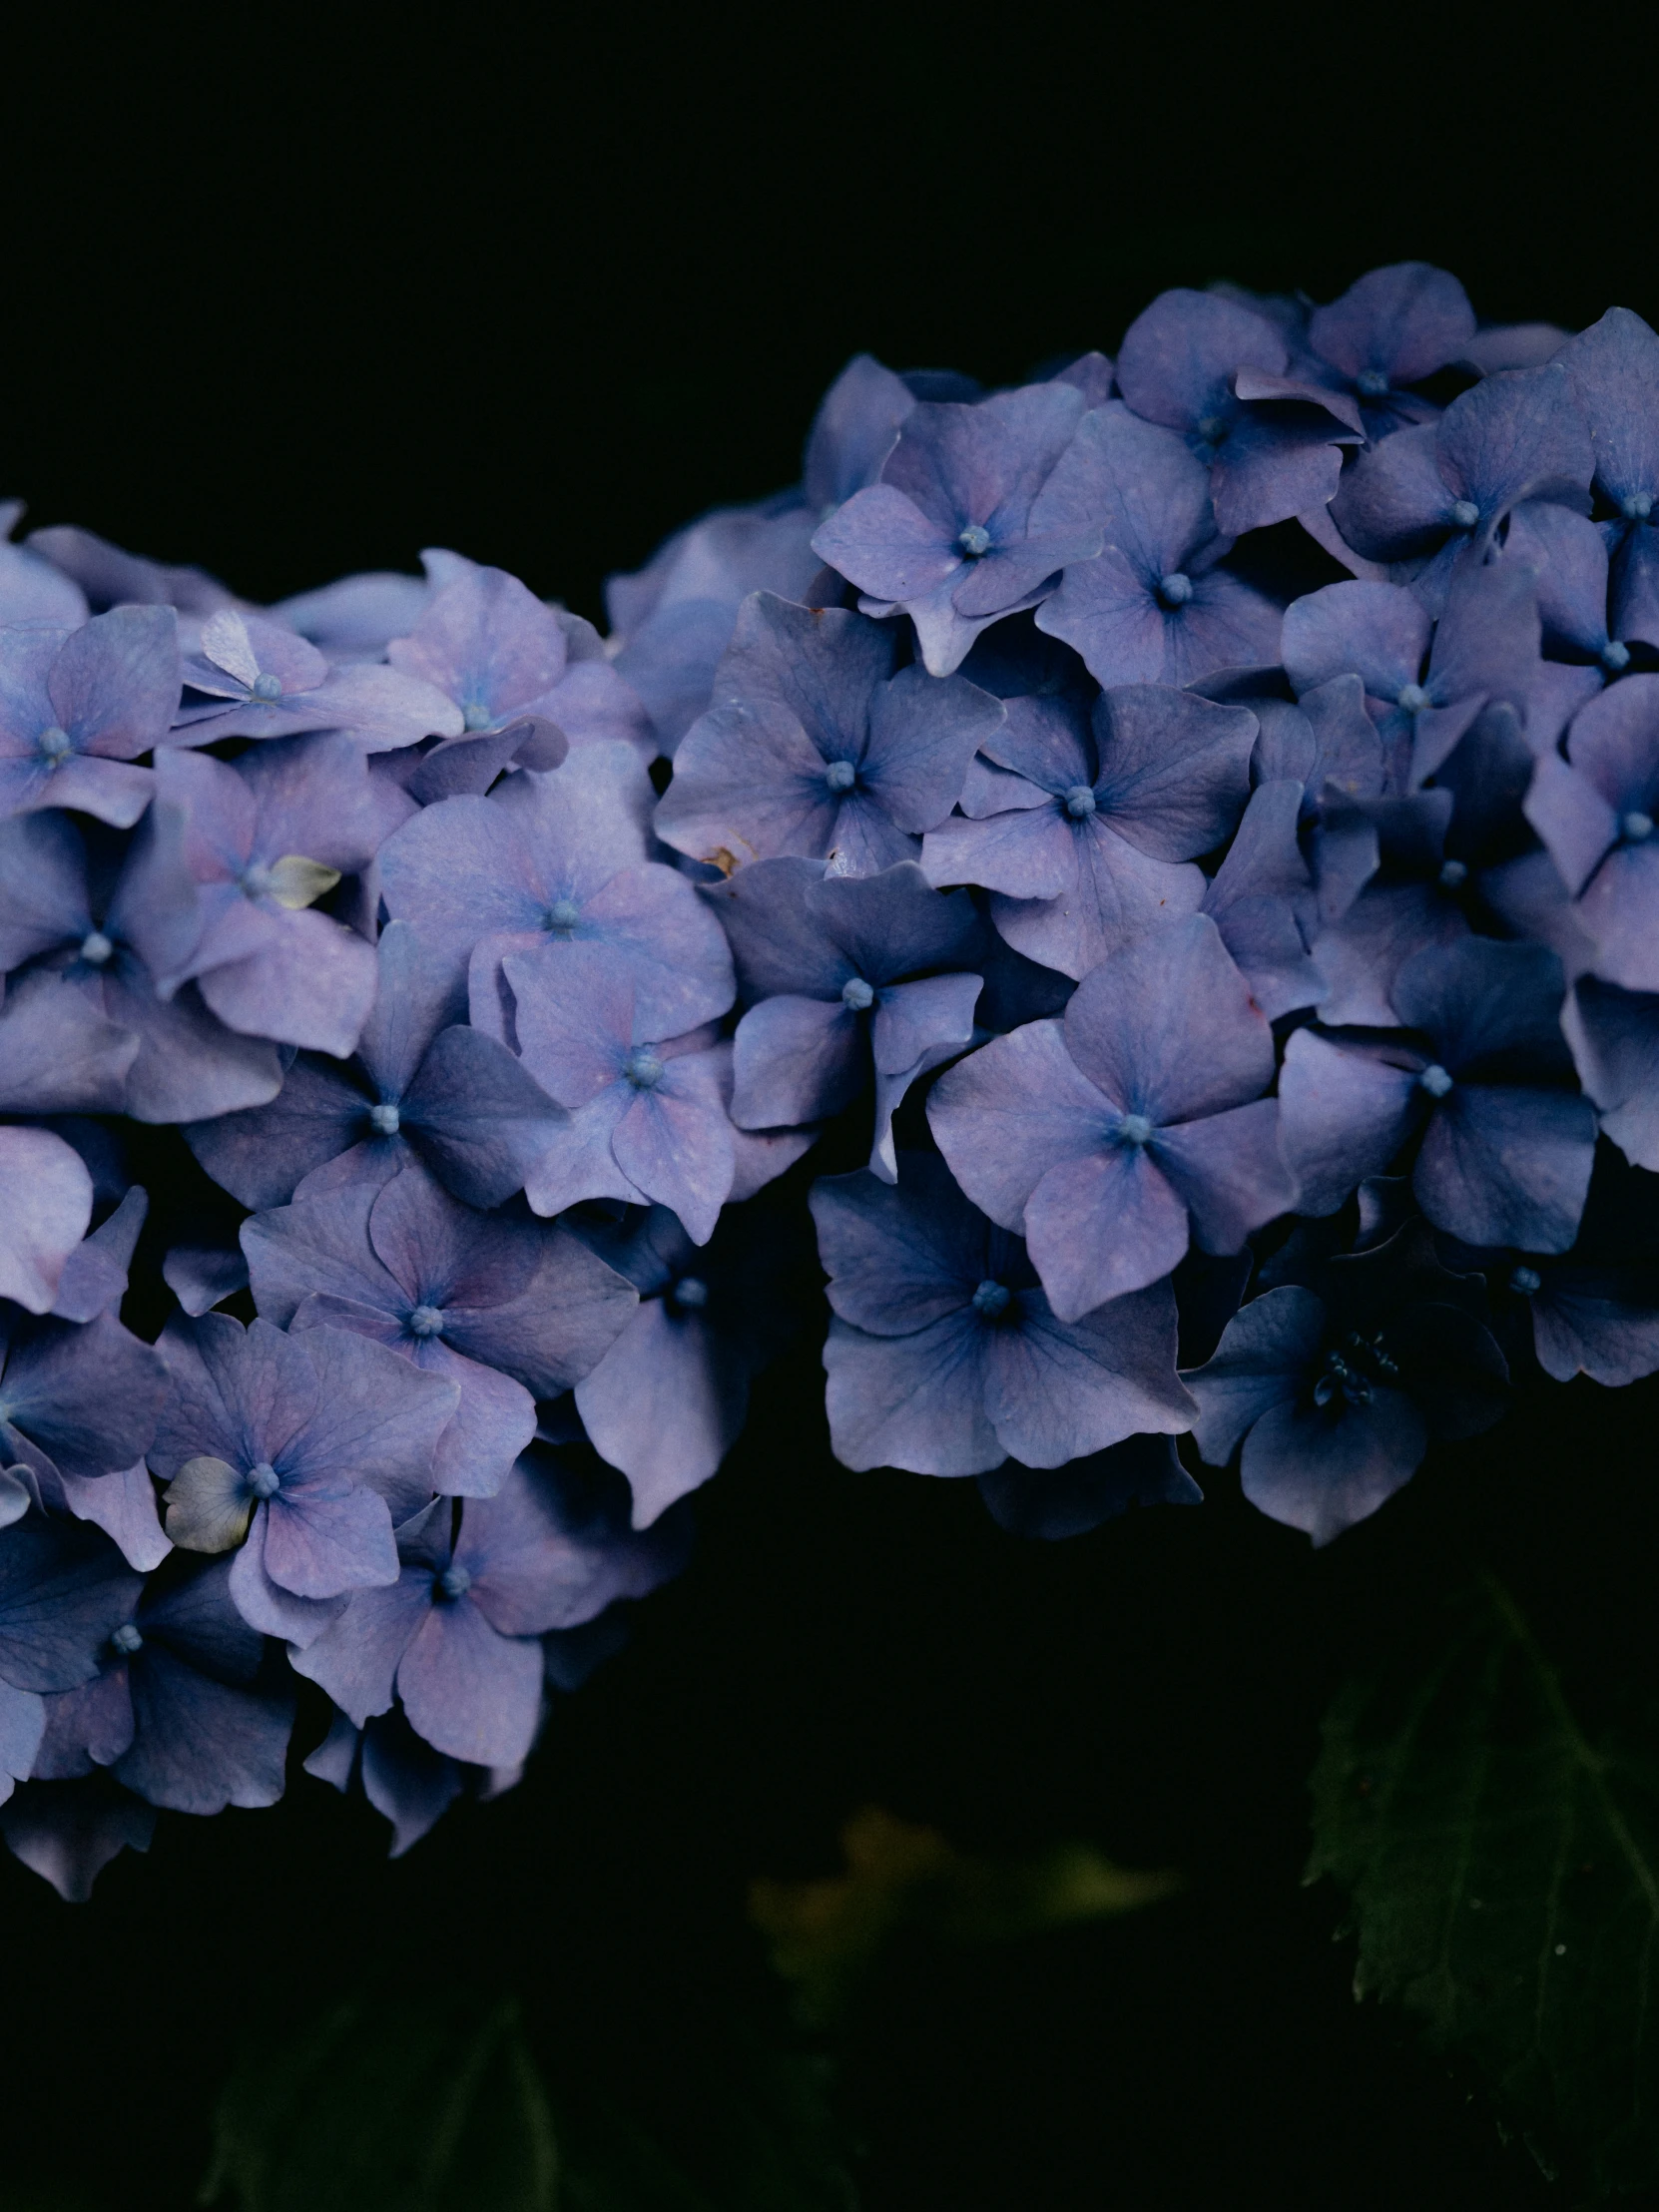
<point>1503,1873</point>
<point>434,2108</point>
<point>431,2107</point>
<point>756,2135</point>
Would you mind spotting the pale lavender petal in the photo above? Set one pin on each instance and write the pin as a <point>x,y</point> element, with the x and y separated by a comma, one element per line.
<point>469,1692</point>
<point>1056,1391</point>
<point>1133,1024</point>
<point>1503,1167</point>
<point>45,1209</point>
<point>1344,1112</point>
<point>1101,1226</point>
<point>1320,1470</point>
<point>1010,1112</point>
<point>911,1402</point>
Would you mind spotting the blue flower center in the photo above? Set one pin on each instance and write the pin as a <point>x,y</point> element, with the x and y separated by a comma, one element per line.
<point>455,1582</point>
<point>856,995</point>
<point>1213,429</point>
<point>424,1321</point>
<point>54,745</point>
<point>974,542</point>
<point>1636,506</point>
<point>691,1294</point>
<point>1615,658</point>
<point>1351,1369</point>
<point>990,1299</point>
<point>95,949</point>
<point>1371,384</point>
<point>1175,589</point>
<point>1413,699</point>
<point>1079,802</point>
<point>1464,514</point>
<point>1453,875</point>
<point>1636,827</point>
<point>561,917</point>
<point>267,687</point>
<point>385,1120</point>
<point>643,1067</point>
<point>1525,1281</point>
<point>255,881</point>
<point>127,1638</point>
<point>1435,1080</point>
<point>841,776</point>
<point>263,1480</point>
<point>475,717</point>
<point>1136,1129</point>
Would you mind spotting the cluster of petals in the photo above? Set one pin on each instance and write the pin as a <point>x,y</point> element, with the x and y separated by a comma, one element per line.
<point>1154,868</point>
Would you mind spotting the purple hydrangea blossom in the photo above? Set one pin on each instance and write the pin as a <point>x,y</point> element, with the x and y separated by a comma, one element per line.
<point>1085,826</point>
<point>1432,496</point>
<point>1506,1144</point>
<point>454,1637</point>
<point>819,743</point>
<point>1154,607</point>
<point>298,1453</point>
<point>550,862</point>
<point>1106,1134</point>
<point>78,708</point>
<point>31,589</point>
<point>822,962</point>
<point>1218,372</point>
<point>1336,1386</point>
<point>1584,633</point>
<point>258,680</point>
<point>84,1025</point>
<point>1596,817</point>
<point>977,509</point>
<point>45,1208</point>
<point>675,616</point>
<point>944,1356</point>
<point>108,577</point>
<point>186,1709</point>
<point>667,1400</point>
<point>1422,696</point>
<point>77,1401</point>
<point>1263,902</point>
<point>504,660</point>
<point>1614,1037</point>
<point>63,1591</point>
<point>648,1120</point>
<point>1392,330</point>
<point>423,1084</point>
<point>263,839</point>
<point>508,1311</point>
<point>1614,366</point>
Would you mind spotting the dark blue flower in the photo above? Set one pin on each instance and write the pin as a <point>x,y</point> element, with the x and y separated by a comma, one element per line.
<point>819,743</point>
<point>945,1357</point>
<point>1220,373</point>
<point>1335,1385</point>
<point>1106,1133</point>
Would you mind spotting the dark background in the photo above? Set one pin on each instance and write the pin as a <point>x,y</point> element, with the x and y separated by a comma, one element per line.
<point>286,307</point>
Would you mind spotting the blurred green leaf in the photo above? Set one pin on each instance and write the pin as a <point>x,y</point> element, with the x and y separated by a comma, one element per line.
<point>826,1936</point>
<point>435,2108</point>
<point>1504,1873</point>
<point>755,2134</point>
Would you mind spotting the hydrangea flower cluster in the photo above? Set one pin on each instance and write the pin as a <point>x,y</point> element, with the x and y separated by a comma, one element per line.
<point>1174,841</point>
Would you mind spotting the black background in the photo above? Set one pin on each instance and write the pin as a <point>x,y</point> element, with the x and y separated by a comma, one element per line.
<point>289,299</point>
